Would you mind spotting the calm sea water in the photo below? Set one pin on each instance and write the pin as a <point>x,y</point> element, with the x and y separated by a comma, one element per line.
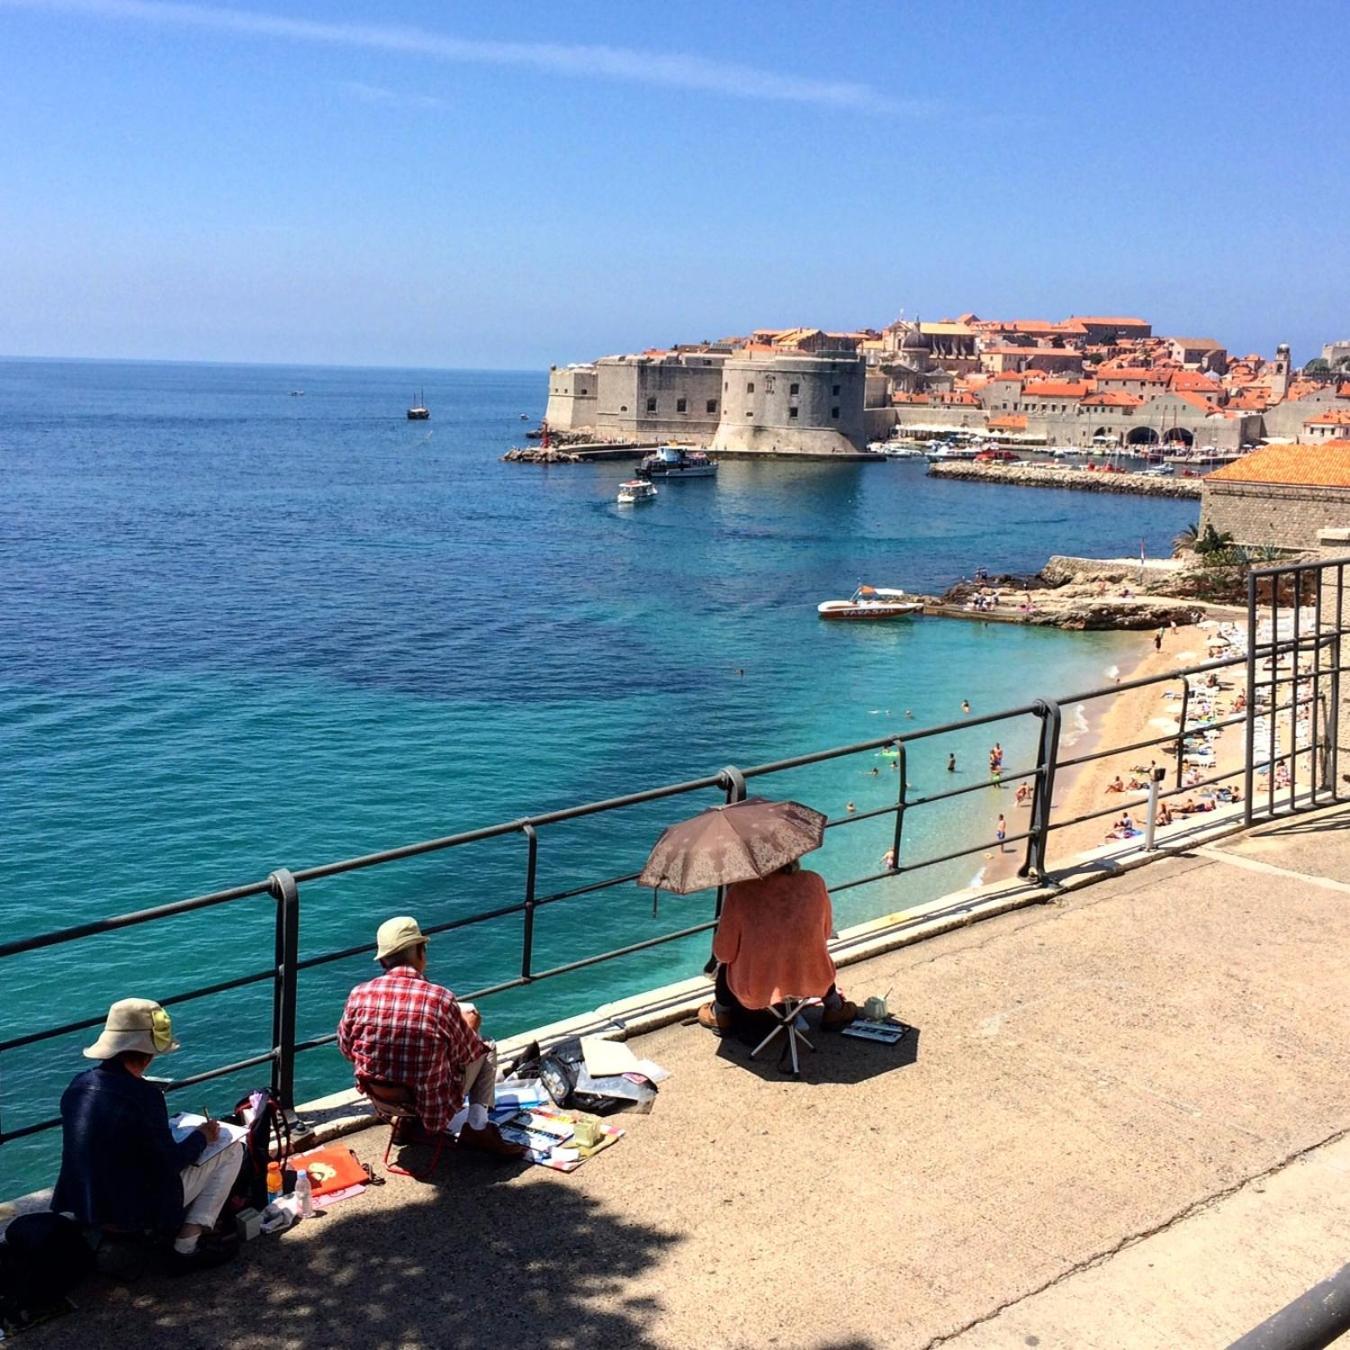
<point>241,629</point>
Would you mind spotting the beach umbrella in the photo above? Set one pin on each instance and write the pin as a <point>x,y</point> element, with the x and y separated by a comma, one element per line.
<point>737,842</point>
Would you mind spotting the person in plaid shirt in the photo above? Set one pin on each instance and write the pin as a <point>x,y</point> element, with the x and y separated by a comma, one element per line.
<point>400,1028</point>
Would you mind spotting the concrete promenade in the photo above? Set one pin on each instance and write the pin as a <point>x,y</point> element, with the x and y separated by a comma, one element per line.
<point>1124,1122</point>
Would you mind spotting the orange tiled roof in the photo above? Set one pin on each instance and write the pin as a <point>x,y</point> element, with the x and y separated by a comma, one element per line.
<point>1008,422</point>
<point>1291,465</point>
<point>1195,400</point>
<point>1139,373</point>
<point>1101,319</point>
<point>1334,417</point>
<point>1193,381</point>
<point>1112,398</point>
<point>910,398</point>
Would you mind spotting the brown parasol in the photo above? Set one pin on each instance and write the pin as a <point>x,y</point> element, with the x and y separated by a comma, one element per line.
<point>732,843</point>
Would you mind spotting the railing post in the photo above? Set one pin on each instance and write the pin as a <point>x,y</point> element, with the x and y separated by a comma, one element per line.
<point>531,871</point>
<point>287,950</point>
<point>1249,768</point>
<point>1333,716</point>
<point>900,803</point>
<point>1043,798</point>
<point>1181,735</point>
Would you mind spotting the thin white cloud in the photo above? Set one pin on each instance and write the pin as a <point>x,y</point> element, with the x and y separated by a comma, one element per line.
<point>379,96</point>
<point>579,61</point>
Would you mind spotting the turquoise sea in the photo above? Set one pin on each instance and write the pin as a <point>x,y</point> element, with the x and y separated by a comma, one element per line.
<point>242,629</point>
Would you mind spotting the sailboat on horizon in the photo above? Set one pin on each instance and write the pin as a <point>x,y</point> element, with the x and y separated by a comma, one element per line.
<point>419,412</point>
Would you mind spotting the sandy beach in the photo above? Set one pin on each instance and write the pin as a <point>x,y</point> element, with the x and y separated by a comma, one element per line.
<point>1133,715</point>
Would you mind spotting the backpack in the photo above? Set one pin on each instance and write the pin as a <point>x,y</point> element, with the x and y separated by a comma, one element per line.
<point>42,1258</point>
<point>268,1130</point>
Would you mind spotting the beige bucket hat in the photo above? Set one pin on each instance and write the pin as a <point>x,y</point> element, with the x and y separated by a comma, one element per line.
<point>138,1024</point>
<point>396,935</point>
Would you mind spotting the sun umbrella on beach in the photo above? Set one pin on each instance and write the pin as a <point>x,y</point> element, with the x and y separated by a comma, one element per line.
<point>732,843</point>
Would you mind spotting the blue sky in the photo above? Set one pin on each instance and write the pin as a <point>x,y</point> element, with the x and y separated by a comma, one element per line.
<point>405,182</point>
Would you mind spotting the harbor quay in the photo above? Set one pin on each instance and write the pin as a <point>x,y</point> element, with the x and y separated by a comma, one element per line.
<point>1123,1119</point>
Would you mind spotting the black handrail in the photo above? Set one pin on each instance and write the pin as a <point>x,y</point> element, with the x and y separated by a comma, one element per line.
<point>1266,587</point>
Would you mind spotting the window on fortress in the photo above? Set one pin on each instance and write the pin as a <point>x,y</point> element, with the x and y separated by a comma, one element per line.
<point>792,412</point>
<point>712,405</point>
<point>794,389</point>
<point>651,405</point>
<point>750,388</point>
<point>681,405</point>
<point>834,389</point>
<point>834,412</point>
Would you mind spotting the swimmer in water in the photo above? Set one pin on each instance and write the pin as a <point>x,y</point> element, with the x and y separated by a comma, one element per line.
<point>951,763</point>
<point>965,705</point>
<point>850,807</point>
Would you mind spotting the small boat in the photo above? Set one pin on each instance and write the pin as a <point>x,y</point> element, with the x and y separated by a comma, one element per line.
<point>671,462</point>
<point>419,412</point>
<point>871,602</point>
<point>895,450</point>
<point>297,393</point>
<point>636,490</point>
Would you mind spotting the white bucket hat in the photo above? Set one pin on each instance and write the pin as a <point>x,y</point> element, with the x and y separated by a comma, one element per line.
<point>396,935</point>
<point>138,1024</point>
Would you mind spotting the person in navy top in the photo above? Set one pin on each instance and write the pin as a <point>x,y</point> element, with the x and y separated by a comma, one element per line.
<point>121,1168</point>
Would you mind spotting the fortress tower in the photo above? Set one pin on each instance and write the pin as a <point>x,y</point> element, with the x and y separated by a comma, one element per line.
<point>810,406</point>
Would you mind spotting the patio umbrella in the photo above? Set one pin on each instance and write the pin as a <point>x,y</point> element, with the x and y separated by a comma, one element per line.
<point>732,843</point>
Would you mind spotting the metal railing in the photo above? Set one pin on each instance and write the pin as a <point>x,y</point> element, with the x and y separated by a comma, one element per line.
<point>1302,653</point>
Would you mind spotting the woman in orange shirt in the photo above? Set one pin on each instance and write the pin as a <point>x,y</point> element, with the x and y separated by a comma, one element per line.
<point>772,943</point>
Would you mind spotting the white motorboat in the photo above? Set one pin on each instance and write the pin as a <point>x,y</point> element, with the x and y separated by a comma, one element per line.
<point>896,450</point>
<point>672,461</point>
<point>871,602</point>
<point>636,490</point>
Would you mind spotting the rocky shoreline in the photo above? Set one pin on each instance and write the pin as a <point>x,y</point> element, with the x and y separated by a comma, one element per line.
<point>1060,476</point>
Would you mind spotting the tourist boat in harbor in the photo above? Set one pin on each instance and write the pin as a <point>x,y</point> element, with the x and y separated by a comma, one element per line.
<point>636,490</point>
<point>672,461</point>
<point>419,412</point>
<point>871,602</point>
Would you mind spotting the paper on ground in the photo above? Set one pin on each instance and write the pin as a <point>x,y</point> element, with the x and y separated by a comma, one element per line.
<point>606,1058</point>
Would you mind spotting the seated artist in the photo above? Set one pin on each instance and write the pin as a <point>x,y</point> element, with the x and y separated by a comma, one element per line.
<point>121,1169</point>
<point>772,943</point>
<point>401,1029</point>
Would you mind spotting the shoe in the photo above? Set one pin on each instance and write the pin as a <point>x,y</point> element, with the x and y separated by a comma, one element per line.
<point>712,1020</point>
<point>836,1019</point>
<point>206,1257</point>
<point>489,1140</point>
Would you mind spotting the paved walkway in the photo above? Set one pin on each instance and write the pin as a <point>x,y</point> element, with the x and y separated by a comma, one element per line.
<point>1124,1123</point>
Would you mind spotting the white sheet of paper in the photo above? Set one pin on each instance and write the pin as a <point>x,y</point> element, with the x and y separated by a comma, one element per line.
<point>604,1058</point>
<point>182,1125</point>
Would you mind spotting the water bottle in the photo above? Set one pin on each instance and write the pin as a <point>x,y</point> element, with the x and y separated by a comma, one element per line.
<point>304,1194</point>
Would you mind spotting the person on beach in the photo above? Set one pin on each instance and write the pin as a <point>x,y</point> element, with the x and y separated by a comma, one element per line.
<point>951,763</point>
<point>1023,794</point>
<point>1117,784</point>
<point>1001,833</point>
<point>998,753</point>
<point>121,1167</point>
<point>773,942</point>
<point>1157,640</point>
<point>401,1029</point>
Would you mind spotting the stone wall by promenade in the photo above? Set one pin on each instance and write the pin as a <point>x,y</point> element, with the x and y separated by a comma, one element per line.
<point>1055,476</point>
<point>1272,516</point>
<point>1156,575</point>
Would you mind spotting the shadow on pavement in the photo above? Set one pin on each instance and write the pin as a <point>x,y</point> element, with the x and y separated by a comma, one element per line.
<point>836,1059</point>
<point>472,1259</point>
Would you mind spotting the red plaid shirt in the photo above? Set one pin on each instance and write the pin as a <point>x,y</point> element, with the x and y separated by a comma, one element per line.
<point>402,1028</point>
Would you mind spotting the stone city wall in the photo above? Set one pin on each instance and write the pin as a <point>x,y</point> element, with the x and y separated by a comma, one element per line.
<point>1261,514</point>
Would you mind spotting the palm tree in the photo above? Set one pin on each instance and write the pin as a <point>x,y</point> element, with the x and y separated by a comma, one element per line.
<point>1185,541</point>
<point>1211,541</point>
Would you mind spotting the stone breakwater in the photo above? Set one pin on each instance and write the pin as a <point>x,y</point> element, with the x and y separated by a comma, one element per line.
<point>1059,476</point>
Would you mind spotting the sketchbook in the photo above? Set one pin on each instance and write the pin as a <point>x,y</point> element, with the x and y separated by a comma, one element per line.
<point>183,1124</point>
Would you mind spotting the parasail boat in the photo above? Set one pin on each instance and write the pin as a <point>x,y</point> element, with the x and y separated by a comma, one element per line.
<point>871,602</point>
<point>634,491</point>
